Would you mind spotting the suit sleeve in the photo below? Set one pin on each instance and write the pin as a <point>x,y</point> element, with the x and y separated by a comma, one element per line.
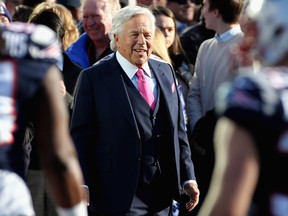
<point>82,126</point>
<point>186,164</point>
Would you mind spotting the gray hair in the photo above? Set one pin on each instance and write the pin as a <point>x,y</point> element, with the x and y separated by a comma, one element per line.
<point>123,16</point>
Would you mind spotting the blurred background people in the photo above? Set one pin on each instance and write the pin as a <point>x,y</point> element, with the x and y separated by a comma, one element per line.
<point>251,133</point>
<point>214,63</point>
<point>34,3</point>
<point>74,6</point>
<point>166,22</point>
<point>192,37</point>
<point>159,46</point>
<point>160,50</point>
<point>151,2</point>
<point>94,43</point>
<point>71,33</point>
<point>11,4</point>
<point>184,12</point>
<point>59,19</point>
<point>22,13</point>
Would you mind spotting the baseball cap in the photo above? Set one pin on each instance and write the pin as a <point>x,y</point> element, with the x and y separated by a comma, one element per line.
<point>5,12</point>
<point>70,3</point>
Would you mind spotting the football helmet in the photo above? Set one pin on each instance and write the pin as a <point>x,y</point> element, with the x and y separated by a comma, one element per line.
<point>271,20</point>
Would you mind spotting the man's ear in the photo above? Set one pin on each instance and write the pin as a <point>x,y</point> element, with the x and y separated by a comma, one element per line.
<point>116,38</point>
<point>216,13</point>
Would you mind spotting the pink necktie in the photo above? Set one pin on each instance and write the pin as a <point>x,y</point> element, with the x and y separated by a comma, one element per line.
<point>145,89</point>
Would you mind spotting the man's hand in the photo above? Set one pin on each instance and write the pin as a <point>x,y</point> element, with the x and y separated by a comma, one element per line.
<point>191,189</point>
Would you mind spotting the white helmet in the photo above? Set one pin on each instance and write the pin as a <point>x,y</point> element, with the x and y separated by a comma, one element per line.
<point>271,17</point>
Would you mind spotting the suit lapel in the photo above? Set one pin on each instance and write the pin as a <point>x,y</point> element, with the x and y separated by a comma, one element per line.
<point>163,81</point>
<point>117,88</point>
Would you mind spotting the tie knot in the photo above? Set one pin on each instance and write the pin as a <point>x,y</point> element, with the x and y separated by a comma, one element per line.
<point>140,73</point>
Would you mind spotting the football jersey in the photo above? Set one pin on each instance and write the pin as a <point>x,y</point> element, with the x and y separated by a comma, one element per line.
<point>26,53</point>
<point>259,103</point>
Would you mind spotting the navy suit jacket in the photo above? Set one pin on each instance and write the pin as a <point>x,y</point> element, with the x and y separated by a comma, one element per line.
<point>106,136</point>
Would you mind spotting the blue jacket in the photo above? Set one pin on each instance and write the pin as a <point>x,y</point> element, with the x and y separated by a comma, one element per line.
<point>77,51</point>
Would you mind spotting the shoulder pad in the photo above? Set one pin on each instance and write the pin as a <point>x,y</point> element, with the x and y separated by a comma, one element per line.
<point>24,40</point>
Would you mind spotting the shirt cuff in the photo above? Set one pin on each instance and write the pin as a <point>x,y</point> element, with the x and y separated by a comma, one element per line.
<point>189,181</point>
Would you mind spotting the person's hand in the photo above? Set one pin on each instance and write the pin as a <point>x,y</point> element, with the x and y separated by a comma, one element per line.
<point>191,189</point>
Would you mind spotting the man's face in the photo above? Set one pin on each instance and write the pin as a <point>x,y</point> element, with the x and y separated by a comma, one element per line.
<point>96,22</point>
<point>145,2</point>
<point>161,2</point>
<point>135,42</point>
<point>167,26</point>
<point>150,2</point>
<point>11,4</point>
<point>208,15</point>
<point>183,12</point>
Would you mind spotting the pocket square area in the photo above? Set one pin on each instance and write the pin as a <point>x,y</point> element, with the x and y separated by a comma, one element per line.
<point>173,87</point>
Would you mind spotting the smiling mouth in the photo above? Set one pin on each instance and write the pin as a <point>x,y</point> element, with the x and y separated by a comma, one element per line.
<point>140,51</point>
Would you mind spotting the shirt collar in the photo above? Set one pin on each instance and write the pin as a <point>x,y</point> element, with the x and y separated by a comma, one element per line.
<point>129,68</point>
<point>228,34</point>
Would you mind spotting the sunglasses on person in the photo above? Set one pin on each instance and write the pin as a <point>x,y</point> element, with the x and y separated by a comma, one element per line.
<point>186,1</point>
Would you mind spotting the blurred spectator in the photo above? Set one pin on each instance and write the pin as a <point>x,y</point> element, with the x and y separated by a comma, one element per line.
<point>165,21</point>
<point>22,13</point>
<point>5,17</point>
<point>36,181</point>
<point>59,19</point>
<point>214,63</point>
<point>74,6</point>
<point>11,4</point>
<point>152,2</point>
<point>94,44</point>
<point>161,2</point>
<point>160,50</point>
<point>184,12</point>
<point>160,47</point>
<point>70,70</point>
<point>251,133</point>
<point>193,36</point>
<point>42,201</point>
<point>34,3</point>
<point>71,31</point>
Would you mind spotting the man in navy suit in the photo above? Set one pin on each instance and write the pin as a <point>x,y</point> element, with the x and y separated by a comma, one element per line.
<point>135,159</point>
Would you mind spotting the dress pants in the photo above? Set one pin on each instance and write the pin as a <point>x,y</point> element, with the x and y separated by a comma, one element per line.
<point>138,208</point>
<point>152,199</point>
